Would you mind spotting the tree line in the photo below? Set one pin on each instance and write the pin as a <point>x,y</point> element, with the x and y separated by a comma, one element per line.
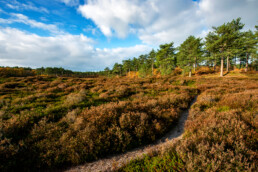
<point>49,71</point>
<point>16,71</point>
<point>226,45</point>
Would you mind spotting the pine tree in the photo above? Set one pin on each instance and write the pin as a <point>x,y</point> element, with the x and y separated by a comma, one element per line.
<point>212,48</point>
<point>189,53</point>
<point>228,36</point>
<point>152,59</point>
<point>166,58</point>
<point>249,46</point>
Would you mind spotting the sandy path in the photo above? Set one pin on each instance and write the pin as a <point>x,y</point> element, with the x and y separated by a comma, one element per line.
<point>112,162</point>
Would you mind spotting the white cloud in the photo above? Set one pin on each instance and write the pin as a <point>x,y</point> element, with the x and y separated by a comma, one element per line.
<point>157,22</point>
<point>13,6</point>
<point>23,6</point>
<point>112,15</point>
<point>20,18</point>
<point>91,29</point>
<point>153,21</point>
<point>218,12</point>
<point>75,52</point>
<point>70,2</point>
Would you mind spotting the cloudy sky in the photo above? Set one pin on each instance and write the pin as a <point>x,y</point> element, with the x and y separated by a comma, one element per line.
<point>89,35</point>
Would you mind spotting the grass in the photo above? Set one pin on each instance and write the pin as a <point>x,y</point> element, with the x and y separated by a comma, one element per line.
<point>169,161</point>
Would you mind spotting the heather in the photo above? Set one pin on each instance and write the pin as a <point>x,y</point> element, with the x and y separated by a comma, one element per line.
<point>220,132</point>
<point>52,122</point>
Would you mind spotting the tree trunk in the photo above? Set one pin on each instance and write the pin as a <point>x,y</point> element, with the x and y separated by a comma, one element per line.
<point>227,63</point>
<point>152,68</point>
<point>214,67</point>
<point>246,63</point>
<point>190,73</point>
<point>221,69</point>
<point>235,62</point>
<point>240,64</point>
<point>195,63</point>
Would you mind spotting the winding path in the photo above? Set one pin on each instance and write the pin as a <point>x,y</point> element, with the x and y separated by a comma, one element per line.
<point>113,162</point>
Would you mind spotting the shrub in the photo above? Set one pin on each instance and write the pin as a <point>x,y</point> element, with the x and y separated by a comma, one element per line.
<point>177,71</point>
<point>204,70</point>
<point>169,161</point>
<point>75,98</point>
<point>79,120</point>
<point>220,133</point>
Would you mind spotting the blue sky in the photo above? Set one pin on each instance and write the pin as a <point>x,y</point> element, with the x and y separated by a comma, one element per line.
<point>92,34</point>
<point>65,16</point>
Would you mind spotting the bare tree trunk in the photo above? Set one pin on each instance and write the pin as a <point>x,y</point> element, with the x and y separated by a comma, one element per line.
<point>152,68</point>
<point>215,63</point>
<point>235,62</point>
<point>246,63</point>
<point>190,73</point>
<point>195,63</point>
<point>221,69</point>
<point>227,63</point>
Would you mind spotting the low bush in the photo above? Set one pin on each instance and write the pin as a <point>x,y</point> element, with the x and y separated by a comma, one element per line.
<point>169,161</point>
<point>220,133</point>
<point>204,70</point>
<point>49,122</point>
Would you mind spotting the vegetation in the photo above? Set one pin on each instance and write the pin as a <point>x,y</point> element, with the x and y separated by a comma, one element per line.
<point>224,42</point>
<point>220,133</point>
<point>227,45</point>
<point>49,122</point>
<point>169,161</point>
<point>53,117</point>
<point>189,54</point>
<point>49,71</point>
<point>16,71</point>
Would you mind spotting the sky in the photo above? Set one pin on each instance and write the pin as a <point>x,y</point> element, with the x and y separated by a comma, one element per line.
<point>89,35</point>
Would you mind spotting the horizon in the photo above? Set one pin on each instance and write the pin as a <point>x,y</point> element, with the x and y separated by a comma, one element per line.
<point>91,35</point>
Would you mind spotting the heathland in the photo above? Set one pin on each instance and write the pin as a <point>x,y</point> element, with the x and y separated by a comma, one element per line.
<point>52,122</point>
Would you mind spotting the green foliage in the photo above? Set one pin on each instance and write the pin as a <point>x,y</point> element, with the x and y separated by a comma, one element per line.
<point>223,109</point>
<point>224,41</point>
<point>166,59</point>
<point>170,161</point>
<point>144,71</point>
<point>190,53</point>
<point>228,35</point>
<point>117,69</point>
